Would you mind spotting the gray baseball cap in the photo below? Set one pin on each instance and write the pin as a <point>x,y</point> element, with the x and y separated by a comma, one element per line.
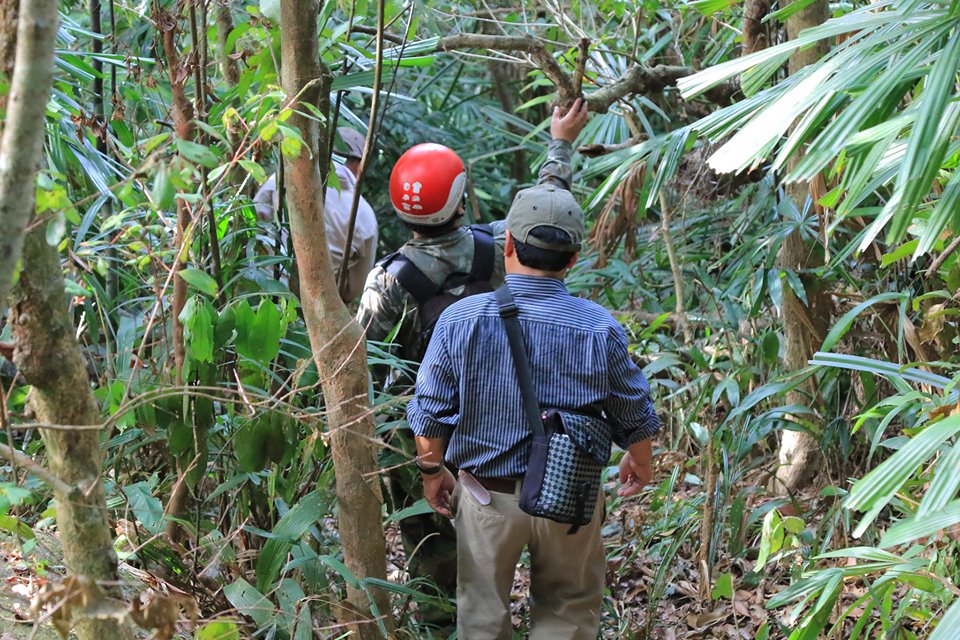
<point>546,205</point>
<point>353,142</point>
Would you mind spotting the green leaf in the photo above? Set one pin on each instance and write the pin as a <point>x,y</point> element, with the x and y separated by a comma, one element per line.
<point>931,134</point>
<point>255,170</point>
<point>710,7</point>
<point>879,367</point>
<point>914,527</point>
<point>770,542</point>
<point>723,588</point>
<point>789,10</point>
<point>223,333</point>
<point>250,602</point>
<point>162,193</point>
<point>200,280</point>
<point>250,444</point>
<point>771,348</point>
<point>145,506</point>
<point>17,527</point>
<point>878,487</point>
<point>418,508</point>
<point>269,130</point>
<point>259,334</point>
<point>793,525</point>
<point>218,631</point>
<point>944,486</point>
<point>290,528</point>
<point>943,213</point>
<point>56,228</point>
<point>899,253</point>
<point>197,153</point>
<point>197,317</point>
<point>290,147</point>
<point>846,321</point>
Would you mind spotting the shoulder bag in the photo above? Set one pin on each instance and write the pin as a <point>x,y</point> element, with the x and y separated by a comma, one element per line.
<point>570,449</point>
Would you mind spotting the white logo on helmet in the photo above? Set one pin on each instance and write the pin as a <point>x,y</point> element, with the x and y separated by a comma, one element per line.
<point>407,198</point>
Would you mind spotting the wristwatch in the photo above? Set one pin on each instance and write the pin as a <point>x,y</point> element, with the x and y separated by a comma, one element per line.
<point>430,470</point>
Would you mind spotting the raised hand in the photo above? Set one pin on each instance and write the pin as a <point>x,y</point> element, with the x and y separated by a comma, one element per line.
<point>567,124</point>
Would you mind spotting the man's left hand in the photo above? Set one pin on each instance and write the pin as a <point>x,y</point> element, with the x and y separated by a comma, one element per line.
<point>437,489</point>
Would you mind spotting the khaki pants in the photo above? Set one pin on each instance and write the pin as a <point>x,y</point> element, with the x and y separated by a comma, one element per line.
<point>566,571</point>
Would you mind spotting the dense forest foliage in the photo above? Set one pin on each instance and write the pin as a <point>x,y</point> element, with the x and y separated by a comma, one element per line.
<point>772,192</point>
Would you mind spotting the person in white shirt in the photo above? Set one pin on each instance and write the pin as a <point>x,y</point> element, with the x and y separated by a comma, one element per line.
<point>337,204</point>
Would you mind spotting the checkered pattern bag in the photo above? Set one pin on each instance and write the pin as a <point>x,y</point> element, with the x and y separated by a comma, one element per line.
<point>570,449</point>
<point>563,478</point>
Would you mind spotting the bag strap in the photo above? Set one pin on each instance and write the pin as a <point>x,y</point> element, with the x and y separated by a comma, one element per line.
<point>509,313</point>
<point>483,254</point>
<point>412,278</point>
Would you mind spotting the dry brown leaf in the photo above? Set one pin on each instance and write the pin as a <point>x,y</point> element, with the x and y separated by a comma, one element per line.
<point>705,620</point>
<point>161,611</point>
<point>741,608</point>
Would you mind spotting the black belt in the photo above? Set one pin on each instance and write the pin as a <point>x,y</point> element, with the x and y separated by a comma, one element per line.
<point>499,485</point>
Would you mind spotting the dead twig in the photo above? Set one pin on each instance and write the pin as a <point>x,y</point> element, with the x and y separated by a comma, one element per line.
<point>946,253</point>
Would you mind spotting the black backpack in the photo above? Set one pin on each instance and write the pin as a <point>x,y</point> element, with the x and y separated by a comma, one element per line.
<point>432,299</point>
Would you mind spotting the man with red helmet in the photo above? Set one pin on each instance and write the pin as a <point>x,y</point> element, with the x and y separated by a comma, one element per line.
<point>426,189</point>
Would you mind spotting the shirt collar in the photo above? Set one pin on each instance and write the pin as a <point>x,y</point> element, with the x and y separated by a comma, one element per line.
<point>535,285</point>
<point>347,180</point>
<point>447,238</point>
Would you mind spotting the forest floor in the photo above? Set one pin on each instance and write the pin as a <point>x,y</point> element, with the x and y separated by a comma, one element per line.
<point>20,579</point>
<point>633,575</point>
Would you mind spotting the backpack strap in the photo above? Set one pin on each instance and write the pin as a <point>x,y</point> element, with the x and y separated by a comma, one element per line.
<point>410,277</point>
<point>483,253</point>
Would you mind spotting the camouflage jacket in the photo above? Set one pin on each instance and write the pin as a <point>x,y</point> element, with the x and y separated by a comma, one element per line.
<point>385,304</point>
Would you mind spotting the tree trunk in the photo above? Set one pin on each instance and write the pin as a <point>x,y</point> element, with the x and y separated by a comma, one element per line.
<point>755,31</point>
<point>49,358</point>
<point>22,142</point>
<point>9,10</point>
<point>337,340</point>
<point>228,66</point>
<point>804,327</point>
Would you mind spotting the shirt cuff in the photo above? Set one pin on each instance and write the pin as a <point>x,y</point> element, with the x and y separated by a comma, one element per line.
<point>427,428</point>
<point>640,432</point>
<point>422,424</point>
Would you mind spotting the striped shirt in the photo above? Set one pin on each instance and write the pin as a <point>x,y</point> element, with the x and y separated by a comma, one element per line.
<point>467,390</point>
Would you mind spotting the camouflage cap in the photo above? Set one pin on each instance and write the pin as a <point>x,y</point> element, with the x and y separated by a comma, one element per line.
<point>353,141</point>
<point>546,205</point>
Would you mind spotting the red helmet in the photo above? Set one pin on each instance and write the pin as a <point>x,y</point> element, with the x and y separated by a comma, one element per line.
<point>426,184</point>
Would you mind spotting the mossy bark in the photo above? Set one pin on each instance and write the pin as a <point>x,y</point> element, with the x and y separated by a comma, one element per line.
<point>49,358</point>
<point>336,339</point>
<point>21,145</point>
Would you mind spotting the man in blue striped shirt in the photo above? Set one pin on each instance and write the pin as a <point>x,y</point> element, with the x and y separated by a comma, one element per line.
<point>468,411</point>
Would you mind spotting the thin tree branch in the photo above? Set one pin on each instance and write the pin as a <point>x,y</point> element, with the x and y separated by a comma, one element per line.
<point>638,79</point>
<point>372,31</point>
<point>946,253</point>
<point>367,152</point>
<point>31,465</point>
<point>596,150</point>
<point>581,66</point>
<point>680,312</point>
<point>534,46</point>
